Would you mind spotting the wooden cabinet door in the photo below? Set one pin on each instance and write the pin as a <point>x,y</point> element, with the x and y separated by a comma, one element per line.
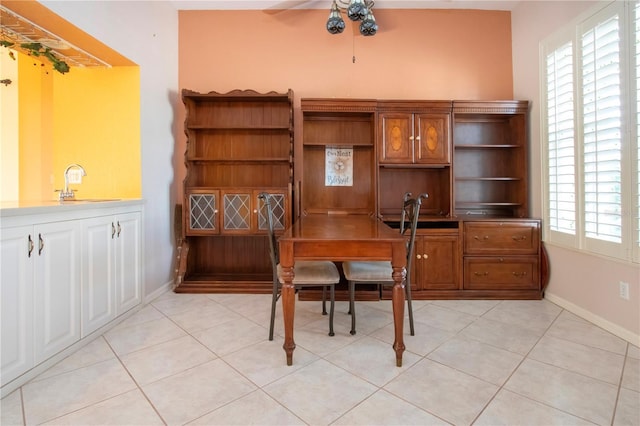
<point>432,142</point>
<point>436,263</point>
<point>236,211</point>
<point>202,214</point>
<point>281,211</point>
<point>397,142</point>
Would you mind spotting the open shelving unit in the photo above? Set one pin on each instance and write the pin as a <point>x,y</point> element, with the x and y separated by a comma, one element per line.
<point>238,145</point>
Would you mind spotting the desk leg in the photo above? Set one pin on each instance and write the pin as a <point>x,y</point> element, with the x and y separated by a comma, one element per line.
<point>398,312</point>
<point>288,297</point>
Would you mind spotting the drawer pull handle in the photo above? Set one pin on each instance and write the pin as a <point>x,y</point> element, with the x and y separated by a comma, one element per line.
<point>519,274</point>
<point>485,238</point>
<point>519,237</point>
<point>481,274</point>
<point>30,246</point>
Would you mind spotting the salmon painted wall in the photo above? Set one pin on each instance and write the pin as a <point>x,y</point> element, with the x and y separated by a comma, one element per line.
<point>417,54</point>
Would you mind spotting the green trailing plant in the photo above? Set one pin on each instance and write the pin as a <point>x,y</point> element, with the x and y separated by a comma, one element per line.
<point>37,50</point>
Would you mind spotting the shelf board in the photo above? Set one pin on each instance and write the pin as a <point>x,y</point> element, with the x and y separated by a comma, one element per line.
<point>489,179</point>
<point>238,161</point>
<point>368,144</point>
<point>236,128</point>
<point>413,166</point>
<point>485,146</point>
<point>470,204</point>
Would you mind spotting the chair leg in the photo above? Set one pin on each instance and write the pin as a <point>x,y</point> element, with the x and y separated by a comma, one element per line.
<point>274,300</point>
<point>333,303</point>
<point>324,300</point>
<point>352,306</point>
<point>410,308</point>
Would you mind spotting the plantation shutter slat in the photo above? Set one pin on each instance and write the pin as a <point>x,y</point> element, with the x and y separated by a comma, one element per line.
<point>561,143</point>
<point>602,127</point>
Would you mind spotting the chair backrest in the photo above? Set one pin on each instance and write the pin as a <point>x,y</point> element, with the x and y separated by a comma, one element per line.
<point>409,221</point>
<point>273,242</point>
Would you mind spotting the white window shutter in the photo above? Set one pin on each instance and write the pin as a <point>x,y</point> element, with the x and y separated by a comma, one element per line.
<point>561,207</point>
<point>602,130</point>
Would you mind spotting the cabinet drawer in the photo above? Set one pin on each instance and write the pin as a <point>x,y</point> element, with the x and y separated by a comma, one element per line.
<point>518,237</point>
<point>501,273</point>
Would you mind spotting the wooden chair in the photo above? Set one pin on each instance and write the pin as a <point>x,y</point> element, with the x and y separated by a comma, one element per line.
<point>367,272</point>
<point>306,273</point>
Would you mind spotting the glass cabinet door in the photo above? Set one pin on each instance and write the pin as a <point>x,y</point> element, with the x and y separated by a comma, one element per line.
<point>203,212</point>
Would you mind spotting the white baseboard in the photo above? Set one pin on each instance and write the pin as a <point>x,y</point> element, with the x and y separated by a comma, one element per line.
<point>612,328</point>
<point>7,388</point>
<point>26,377</point>
<point>159,292</point>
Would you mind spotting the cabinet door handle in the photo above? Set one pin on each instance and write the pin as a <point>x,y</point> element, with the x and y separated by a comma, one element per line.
<point>30,246</point>
<point>40,244</point>
<point>519,237</point>
<point>481,274</point>
<point>419,257</point>
<point>113,230</point>
<point>119,229</point>
<point>485,238</point>
<point>418,138</point>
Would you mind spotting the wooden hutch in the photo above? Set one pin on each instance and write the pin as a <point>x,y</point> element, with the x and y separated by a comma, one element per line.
<point>238,145</point>
<point>476,238</point>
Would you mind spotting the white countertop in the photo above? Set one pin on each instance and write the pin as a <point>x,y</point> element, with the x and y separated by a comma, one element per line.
<point>17,208</point>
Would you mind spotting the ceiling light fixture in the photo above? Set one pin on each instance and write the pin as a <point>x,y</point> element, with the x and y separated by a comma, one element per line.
<point>357,10</point>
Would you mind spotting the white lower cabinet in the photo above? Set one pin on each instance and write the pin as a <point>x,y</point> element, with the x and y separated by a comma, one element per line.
<point>63,279</point>
<point>40,293</point>
<point>16,288</point>
<point>111,275</point>
<point>56,287</point>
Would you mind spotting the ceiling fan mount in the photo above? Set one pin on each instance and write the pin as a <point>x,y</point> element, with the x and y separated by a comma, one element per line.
<point>357,11</point>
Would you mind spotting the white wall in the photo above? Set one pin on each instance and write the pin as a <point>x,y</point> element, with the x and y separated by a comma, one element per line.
<point>146,32</point>
<point>584,284</point>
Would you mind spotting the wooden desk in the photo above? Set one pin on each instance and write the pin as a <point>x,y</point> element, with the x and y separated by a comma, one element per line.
<point>339,238</point>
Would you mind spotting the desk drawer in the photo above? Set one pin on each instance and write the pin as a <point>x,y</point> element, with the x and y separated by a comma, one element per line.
<point>501,273</point>
<point>497,237</point>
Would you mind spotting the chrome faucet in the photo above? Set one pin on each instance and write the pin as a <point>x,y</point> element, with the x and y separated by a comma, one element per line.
<point>67,193</point>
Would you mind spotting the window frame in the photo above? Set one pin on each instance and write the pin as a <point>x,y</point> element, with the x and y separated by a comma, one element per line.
<point>628,249</point>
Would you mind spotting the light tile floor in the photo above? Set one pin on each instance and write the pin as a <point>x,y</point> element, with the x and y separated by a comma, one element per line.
<point>205,360</point>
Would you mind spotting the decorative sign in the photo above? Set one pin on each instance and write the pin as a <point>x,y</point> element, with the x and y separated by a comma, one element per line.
<point>338,167</point>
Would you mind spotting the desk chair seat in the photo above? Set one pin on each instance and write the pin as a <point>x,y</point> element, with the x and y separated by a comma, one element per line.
<point>379,272</point>
<point>306,273</point>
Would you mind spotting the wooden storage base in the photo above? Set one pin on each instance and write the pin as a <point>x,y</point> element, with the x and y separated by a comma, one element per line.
<point>341,295</point>
<point>472,294</point>
<point>249,284</point>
